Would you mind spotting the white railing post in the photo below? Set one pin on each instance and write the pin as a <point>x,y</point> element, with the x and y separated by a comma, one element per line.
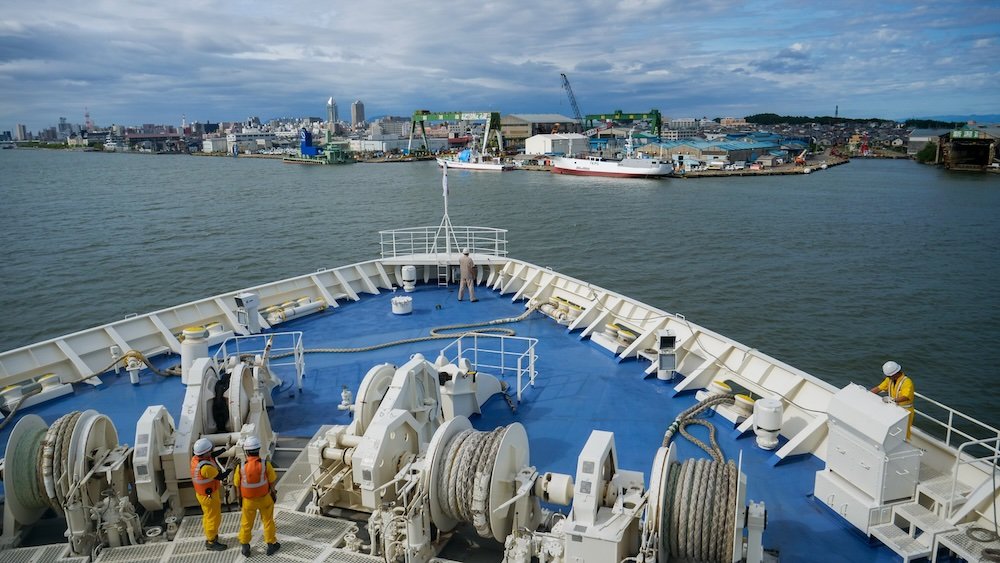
<point>519,379</point>
<point>503,356</point>
<point>531,365</point>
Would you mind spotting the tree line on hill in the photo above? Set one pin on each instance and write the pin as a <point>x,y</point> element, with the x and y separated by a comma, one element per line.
<point>775,119</point>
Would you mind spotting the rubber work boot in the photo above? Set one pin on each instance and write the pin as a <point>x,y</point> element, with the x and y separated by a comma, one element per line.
<point>273,548</point>
<point>245,547</point>
<point>215,545</point>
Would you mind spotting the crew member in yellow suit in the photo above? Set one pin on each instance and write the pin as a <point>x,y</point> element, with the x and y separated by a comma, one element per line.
<point>255,478</point>
<point>899,388</point>
<point>207,478</point>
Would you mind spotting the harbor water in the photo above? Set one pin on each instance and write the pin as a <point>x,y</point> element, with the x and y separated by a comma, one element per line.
<point>833,272</point>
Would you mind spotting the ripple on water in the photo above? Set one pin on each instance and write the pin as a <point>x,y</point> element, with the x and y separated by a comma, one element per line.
<point>834,272</point>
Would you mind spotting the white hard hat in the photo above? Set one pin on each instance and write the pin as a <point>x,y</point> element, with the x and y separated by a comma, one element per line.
<point>251,443</point>
<point>465,251</point>
<point>202,446</point>
<point>891,368</point>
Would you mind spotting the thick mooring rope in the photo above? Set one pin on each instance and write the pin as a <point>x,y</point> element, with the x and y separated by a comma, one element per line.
<point>698,510</point>
<point>701,494</point>
<point>465,477</point>
<point>687,417</point>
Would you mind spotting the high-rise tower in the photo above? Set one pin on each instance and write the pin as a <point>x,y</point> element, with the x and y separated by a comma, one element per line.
<point>331,111</point>
<point>357,113</point>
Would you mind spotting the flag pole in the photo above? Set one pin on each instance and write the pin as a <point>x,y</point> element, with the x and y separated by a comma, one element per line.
<point>446,221</point>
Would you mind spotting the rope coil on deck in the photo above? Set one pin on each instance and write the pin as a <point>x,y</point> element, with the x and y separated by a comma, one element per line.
<point>41,465</point>
<point>698,503</point>
<point>698,510</point>
<point>466,476</point>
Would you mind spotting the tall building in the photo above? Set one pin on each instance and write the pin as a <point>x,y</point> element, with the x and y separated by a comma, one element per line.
<point>331,109</point>
<point>357,113</point>
<point>22,132</point>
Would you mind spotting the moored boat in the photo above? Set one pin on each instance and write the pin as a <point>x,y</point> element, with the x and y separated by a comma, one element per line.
<point>469,159</point>
<point>624,168</point>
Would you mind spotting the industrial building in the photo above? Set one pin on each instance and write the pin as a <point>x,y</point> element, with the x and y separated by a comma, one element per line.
<point>394,143</point>
<point>973,147</point>
<point>250,141</point>
<point>688,154</point>
<point>557,144</point>
<point>920,137</point>
<point>517,127</point>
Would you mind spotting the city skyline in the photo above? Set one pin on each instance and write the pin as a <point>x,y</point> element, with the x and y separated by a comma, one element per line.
<point>143,62</point>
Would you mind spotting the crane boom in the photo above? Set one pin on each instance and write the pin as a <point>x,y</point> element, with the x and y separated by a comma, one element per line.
<point>572,98</point>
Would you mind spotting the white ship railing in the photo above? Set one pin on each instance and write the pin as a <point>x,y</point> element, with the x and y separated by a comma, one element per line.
<point>958,428</point>
<point>991,445</point>
<point>497,352</point>
<point>284,352</point>
<point>433,240</point>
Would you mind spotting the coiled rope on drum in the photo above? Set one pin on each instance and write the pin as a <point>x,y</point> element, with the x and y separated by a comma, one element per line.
<point>436,334</point>
<point>698,502</point>
<point>41,463</point>
<point>466,475</point>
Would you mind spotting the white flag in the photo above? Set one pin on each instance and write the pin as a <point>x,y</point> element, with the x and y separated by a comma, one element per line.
<point>444,179</point>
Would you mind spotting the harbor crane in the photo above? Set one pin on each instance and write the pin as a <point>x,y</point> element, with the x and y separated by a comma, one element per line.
<point>572,98</point>
<point>492,119</point>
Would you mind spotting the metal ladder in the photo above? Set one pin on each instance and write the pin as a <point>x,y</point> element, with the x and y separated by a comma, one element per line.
<point>442,275</point>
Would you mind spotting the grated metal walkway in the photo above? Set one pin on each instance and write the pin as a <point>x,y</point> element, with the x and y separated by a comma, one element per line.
<point>303,538</point>
<point>41,554</point>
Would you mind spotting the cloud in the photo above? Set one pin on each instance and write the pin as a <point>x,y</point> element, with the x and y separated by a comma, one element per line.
<point>141,61</point>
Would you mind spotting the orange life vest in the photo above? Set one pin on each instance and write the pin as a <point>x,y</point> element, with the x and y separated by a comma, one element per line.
<point>202,486</point>
<point>253,478</point>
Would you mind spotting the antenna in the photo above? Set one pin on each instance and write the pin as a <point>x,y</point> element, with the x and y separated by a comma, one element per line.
<point>88,124</point>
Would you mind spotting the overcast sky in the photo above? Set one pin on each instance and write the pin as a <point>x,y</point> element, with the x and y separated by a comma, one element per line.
<point>137,61</point>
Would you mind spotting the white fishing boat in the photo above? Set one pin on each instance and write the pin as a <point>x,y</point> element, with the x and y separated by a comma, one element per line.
<point>627,167</point>
<point>624,168</point>
<point>540,423</point>
<point>470,159</point>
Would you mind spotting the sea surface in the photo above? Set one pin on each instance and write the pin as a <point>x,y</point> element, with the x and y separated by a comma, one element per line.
<point>834,273</point>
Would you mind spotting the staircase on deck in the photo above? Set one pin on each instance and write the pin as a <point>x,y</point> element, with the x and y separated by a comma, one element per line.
<point>939,514</point>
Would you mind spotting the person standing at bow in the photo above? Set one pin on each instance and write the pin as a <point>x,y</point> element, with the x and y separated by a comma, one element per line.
<point>255,478</point>
<point>899,388</point>
<point>468,276</point>
<point>207,478</point>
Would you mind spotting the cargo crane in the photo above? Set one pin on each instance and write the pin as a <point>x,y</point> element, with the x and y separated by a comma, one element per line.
<point>491,118</point>
<point>572,98</point>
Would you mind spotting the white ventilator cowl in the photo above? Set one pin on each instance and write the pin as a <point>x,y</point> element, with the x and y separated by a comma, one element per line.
<point>891,368</point>
<point>202,446</point>
<point>251,443</point>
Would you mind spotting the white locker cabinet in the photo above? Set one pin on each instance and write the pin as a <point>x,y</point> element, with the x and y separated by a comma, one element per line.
<point>849,502</point>
<point>883,476</point>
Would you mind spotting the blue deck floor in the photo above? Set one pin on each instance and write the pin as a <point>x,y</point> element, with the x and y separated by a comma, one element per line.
<point>579,388</point>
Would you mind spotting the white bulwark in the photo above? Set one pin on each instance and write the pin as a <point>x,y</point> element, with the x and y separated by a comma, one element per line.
<point>557,143</point>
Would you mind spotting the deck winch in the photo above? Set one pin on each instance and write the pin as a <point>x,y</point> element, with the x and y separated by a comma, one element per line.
<point>412,459</point>
<point>106,491</point>
<point>77,469</point>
